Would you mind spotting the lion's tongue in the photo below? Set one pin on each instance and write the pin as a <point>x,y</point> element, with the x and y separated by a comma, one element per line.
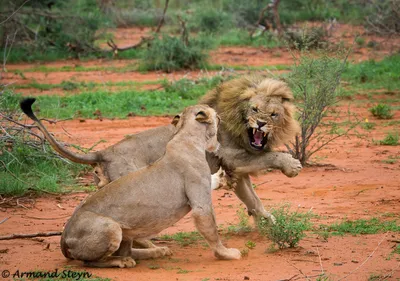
<point>258,137</point>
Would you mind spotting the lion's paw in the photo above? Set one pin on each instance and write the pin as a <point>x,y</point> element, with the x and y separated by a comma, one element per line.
<point>166,251</point>
<point>291,167</point>
<point>126,262</point>
<point>228,254</point>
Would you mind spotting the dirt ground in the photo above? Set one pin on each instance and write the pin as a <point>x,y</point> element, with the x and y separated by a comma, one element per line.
<point>351,181</point>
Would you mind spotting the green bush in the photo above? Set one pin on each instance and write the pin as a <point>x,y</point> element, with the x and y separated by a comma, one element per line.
<point>382,111</point>
<point>306,38</point>
<point>289,227</point>
<point>170,53</point>
<point>57,29</point>
<point>209,20</point>
<point>314,80</point>
<point>390,139</point>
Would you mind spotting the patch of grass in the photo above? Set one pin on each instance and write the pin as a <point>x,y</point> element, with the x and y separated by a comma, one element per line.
<point>374,74</point>
<point>241,37</point>
<point>362,226</point>
<point>183,238</point>
<point>360,41</point>
<point>382,111</point>
<point>391,160</point>
<point>170,101</point>
<point>289,228</point>
<point>390,139</point>
<point>182,271</point>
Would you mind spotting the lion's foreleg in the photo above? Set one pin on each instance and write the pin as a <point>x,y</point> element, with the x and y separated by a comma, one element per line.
<point>274,160</point>
<point>245,192</point>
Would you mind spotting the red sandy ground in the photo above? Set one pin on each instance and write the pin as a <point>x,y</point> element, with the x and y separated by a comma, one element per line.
<point>356,185</point>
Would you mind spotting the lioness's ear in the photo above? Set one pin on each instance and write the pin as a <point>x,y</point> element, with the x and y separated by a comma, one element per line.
<point>203,117</point>
<point>176,120</point>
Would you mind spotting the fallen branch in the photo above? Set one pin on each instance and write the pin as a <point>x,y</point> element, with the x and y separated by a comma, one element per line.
<point>32,235</point>
<point>4,220</point>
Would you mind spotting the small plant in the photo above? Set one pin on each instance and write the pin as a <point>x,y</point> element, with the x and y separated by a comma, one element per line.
<point>382,111</point>
<point>360,41</point>
<point>390,139</point>
<point>69,85</point>
<point>250,244</point>
<point>243,226</point>
<point>244,252</point>
<point>367,125</point>
<point>306,38</point>
<point>314,81</point>
<point>289,227</point>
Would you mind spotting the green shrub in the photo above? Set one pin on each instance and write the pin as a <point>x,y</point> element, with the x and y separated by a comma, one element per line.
<point>55,30</point>
<point>390,139</point>
<point>289,227</point>
<point>360,41</point>
<point>209,20</point>
<point>382,111</point>
<point>306,38</point>
<point>314,80</point>
<point>170,53</point>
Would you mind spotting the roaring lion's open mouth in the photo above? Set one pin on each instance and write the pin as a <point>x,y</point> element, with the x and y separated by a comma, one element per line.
<point>258,139</point>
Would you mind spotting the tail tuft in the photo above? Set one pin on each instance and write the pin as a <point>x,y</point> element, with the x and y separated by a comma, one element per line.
<point>26,106</point>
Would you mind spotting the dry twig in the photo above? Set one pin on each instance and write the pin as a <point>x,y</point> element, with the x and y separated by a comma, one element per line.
<point>31,235</point>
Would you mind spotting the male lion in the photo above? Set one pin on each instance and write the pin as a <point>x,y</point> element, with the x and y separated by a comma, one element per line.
<point>256,114</point>
<point>143,203</point>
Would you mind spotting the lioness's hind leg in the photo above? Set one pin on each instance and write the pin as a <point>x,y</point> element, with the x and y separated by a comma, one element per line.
<point>150,253</point>
<point>112,262</point>
<point>91,237</point>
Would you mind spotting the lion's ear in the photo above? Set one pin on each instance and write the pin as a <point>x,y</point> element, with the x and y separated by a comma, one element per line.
<point>203,117</point>
<point>176,120</point>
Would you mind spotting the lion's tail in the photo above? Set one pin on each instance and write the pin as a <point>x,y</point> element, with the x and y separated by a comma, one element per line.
<point>90,158</point>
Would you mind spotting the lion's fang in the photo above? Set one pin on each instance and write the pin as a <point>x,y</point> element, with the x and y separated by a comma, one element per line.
<point>265,134</point>
<point>254,131</point>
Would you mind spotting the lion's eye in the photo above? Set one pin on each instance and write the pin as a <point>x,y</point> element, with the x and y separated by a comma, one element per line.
<point>254,109</point>
<point>274,115</point>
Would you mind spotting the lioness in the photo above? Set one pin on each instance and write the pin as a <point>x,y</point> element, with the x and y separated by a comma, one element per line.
<point>257,115</point>
<point>144,202</point>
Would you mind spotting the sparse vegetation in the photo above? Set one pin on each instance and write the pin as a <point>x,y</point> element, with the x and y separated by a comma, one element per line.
<point>362,226</point>
<point>25,161</point>
<point>382,111</point>
<point>289,228</point>
<point>183,238</point>
<point>390,139</point>
<point>314,81</point>
<point>243,226</point>
<point>171,53</point>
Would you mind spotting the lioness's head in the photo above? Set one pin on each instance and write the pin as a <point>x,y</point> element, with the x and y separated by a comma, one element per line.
<point>204,116</point>
<point>256,111</point>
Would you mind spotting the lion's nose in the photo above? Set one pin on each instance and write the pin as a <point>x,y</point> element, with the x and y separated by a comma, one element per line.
<point>260,124</point>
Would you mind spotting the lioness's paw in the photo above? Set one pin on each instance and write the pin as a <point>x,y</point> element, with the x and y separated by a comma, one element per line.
<point>127,262</point>
<point>165,251</point>
<point>291,167</point>
<point>228,254</point>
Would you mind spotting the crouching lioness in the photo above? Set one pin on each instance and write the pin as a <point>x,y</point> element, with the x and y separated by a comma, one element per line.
<point>145,202</point>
